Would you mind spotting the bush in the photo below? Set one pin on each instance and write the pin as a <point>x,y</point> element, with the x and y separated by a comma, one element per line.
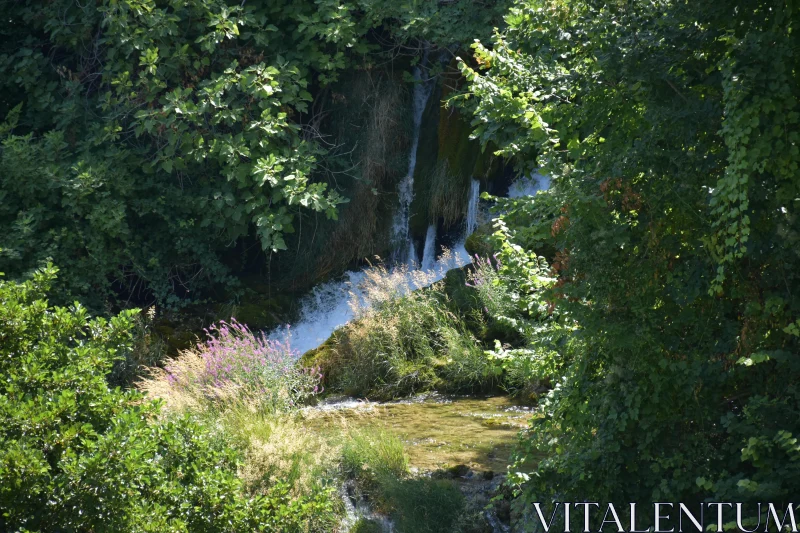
<point>408,344</point>
<point>235,365</point>
<point>675,231</point>
<point>78,456</point>
<point>147,350</point>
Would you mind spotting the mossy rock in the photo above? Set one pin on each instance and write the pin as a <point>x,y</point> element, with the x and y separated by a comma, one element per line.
<point>479,242</point>
<point>458,470</point>
<point>326,358</point>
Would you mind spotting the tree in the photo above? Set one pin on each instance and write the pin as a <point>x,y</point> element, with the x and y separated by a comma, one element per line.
<point>670,131</point>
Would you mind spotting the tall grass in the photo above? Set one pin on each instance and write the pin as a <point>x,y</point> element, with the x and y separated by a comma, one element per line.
<point>372,454</point>
<point>492,293</point>
<point>406,338</point>
<point>234,365</point>
<point>405,344</point>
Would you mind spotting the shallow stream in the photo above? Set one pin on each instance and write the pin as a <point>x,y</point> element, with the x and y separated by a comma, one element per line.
<point>439,432</point>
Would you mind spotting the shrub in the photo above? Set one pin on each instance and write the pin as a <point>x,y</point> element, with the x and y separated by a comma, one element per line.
<point>235,365</point>
<point>147,350</point>
<point>78,456</point>
<point>404,341</point>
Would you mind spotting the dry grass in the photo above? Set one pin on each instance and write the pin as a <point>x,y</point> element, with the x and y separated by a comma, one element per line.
<point>281,449</point>
<point>157,384</point>
<point>449,195</point>
<point>381,285</point>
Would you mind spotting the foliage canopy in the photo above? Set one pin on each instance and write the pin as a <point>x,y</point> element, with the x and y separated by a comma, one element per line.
<point>670,130</point>
<point>143,139</point>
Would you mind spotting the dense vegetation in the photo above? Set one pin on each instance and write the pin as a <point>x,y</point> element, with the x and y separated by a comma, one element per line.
<point>670,131</point>
<point>647,300</point>
<point>151,147</point>
<point>79,456</point>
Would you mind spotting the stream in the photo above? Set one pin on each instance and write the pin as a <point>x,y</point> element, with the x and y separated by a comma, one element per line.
<point>466,439</point>
<point>439,432</point>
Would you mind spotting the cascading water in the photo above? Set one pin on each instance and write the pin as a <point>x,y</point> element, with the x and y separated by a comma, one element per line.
<point>404,251</point>
<point>529,185</point>
<point>471,222</point>
<point>330,305</point>
<point>429,252</point>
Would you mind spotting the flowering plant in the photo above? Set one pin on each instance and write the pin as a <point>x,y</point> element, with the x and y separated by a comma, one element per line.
<point>234,363</point>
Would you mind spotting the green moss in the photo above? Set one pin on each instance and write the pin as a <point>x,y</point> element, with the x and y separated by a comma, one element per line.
<point>455,146</point>
<point>326,358</point>
<point>367,526</point>
<point>464,156</point>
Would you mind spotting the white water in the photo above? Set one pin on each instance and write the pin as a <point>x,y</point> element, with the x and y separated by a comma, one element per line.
<point>472,207</point>
<point>429,252</point>
<point>329,305</point>
<point>529,186</point>
<point>357,507</point>
<point>333,304</point>
<point>404,251</point>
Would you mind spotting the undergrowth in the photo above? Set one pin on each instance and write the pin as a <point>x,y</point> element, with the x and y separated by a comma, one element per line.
<point>249,390</point>
<point>404,342</point>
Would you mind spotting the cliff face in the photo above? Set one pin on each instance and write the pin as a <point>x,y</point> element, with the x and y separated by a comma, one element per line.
<point>366,118</point>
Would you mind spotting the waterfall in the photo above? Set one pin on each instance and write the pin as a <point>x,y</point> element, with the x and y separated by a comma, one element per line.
<point>333,304</point>
<point>404,251</point>
<point>529,185</point>
<point>322,311</point>
<point>330,305</point>
<point>429,252</point>
<point>472,207</point>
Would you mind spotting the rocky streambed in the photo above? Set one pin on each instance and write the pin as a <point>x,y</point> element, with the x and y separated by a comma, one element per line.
<point>468,440</point>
